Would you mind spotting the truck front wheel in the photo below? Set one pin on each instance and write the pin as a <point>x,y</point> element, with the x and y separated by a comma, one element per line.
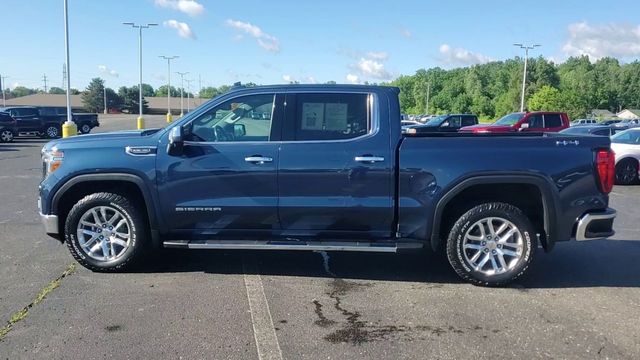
<point>85,128</point>
<point>105,232</point>
<point>492,244</point>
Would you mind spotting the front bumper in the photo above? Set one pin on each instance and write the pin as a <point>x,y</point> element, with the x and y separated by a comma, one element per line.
<point>595,225</point>
<point>50,223</point>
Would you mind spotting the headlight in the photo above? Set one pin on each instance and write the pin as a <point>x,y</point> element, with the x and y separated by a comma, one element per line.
<point>51,160</point>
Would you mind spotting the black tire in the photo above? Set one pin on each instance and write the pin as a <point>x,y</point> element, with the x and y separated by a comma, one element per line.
<point>135,221</point>
<point>627,172</point>
<point>6,135</point>
<point>85,128</point>
<point>458,256</point>
<point>52,131</point>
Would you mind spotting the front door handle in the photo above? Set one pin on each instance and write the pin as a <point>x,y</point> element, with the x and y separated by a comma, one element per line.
<point>369,159</point>
<point>258,159</point>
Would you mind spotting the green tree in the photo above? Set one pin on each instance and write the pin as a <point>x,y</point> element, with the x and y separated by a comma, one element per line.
<point>147,90</point>
<point>56,90</point>
<point>162,91</point>
<point>547,98</point>
<point>208,92</point>
<point>19,91</point>
<point>93,96</point>
<point>130,97</point>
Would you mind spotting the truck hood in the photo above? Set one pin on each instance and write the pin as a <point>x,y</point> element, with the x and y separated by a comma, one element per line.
<point>486,128</point>
<point>131,137</point>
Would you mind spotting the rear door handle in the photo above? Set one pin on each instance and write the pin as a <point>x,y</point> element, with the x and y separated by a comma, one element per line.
<point>369,159</point>
<point>258,159</point>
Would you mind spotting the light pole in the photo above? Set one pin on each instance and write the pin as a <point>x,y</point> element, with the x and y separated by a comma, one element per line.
<point>524,76</point>
<point>69,128</point>
<point>104,90</point>
<point>140,27</point>
<point>2,85</point>
<point>169,58</point>
<point>182,74</point>
<point>188,94</point>
<point>428,93</point>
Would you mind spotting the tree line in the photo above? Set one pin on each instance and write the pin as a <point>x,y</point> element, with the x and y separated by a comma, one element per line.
<point>576,86</point>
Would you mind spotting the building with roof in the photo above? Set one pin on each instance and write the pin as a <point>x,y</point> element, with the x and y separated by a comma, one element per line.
<point>601,114</point>
<point>629,114</point>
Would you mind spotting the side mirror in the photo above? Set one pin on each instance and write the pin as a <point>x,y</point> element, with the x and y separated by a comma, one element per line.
<point>524,126</point>
<point>239,130</point>
<point>176,143</point>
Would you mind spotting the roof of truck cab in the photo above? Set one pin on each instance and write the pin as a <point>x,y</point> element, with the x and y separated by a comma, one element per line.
<point>317,87</point>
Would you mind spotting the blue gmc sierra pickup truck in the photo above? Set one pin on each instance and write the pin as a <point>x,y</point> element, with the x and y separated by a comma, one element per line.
<point>321,168</point>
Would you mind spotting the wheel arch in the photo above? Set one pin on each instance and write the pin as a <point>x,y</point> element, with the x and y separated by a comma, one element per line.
<point>127,184</point>
<point>476,185</point>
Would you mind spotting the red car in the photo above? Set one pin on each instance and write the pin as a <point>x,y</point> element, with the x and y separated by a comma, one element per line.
<point>538,121</point>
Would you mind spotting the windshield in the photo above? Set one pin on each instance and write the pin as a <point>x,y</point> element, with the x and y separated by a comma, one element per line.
<point>627,137</point>
<point>576,130</point>
<point>509,119</point>
<point>436,121</point>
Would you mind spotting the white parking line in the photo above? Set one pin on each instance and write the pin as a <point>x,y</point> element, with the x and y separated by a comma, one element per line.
<point>263,329</point>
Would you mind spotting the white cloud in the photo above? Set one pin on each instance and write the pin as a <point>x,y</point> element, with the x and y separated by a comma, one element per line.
<point>460,56</point>
<point>378,55</point>
<point>264,40</point>
<point>189,7</point>
<point>406,33</point>
<point>353,79</point>
<point>184,31</point>
<point>288,78</point>
<point>598,41</point>
<point>14,85</point>
<point>104,70</point>
<point>373,69</point>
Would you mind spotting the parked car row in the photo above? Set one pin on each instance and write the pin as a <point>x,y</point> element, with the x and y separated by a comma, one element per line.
<point>44,121</point>
<point>617,123</point>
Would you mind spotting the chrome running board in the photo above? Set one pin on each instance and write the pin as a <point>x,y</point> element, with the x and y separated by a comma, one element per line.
<point>390,247</point>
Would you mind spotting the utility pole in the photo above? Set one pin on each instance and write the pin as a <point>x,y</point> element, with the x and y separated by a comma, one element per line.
<point>188,94</point>
<point>2,85</point>
<point>44,78</point>
<point>182,74</point>
<point>169,58</point>
<point>428,93</point>
<point>524,75</point>
<point>140,27</point>
<point>199,87</point>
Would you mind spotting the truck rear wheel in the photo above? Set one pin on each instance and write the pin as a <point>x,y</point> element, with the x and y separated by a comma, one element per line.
<point>105,232</point>
<point>85,128</point>
<point>492,244</point>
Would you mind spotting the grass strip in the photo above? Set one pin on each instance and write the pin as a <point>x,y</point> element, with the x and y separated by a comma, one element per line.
<point>42,294</point>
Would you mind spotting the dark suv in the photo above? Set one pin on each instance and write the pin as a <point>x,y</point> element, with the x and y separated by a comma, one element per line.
<point>444,123</point>
<point>7,127</point>
<point>47,121</point>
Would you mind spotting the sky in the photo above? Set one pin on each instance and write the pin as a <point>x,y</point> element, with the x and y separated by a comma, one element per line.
<point>278,41</point>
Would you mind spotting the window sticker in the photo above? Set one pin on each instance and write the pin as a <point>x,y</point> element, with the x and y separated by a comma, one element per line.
<point>312,116</point>
<point>336,116</point>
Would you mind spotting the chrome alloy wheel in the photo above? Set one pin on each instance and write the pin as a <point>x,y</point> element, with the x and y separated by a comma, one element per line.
<point>104,233</point>
<point>493,246</point>
<point>52,131</point>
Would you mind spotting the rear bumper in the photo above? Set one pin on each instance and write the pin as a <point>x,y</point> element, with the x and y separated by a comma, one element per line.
<point>595,225</point>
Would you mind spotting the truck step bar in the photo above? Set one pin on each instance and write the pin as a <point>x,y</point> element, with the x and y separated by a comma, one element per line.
<point>390,247</point>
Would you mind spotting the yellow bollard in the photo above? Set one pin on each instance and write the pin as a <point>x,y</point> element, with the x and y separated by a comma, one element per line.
<point>69,128</point>
<point>140,123</point>
<point>169,117</point>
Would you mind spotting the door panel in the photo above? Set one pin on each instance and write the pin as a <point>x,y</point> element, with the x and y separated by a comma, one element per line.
<point>226,178</point>
<point>330,185</point>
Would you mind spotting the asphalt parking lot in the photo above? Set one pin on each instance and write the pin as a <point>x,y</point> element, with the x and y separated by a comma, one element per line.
<point>580,301</point>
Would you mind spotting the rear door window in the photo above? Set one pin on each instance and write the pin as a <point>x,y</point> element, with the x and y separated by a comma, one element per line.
<point>326,116</point>
<point>469,120</point>
<point>552,120</point>
<point>535,122</point>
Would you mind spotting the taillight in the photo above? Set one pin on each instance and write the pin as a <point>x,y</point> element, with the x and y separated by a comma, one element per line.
<point>606,166</point>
